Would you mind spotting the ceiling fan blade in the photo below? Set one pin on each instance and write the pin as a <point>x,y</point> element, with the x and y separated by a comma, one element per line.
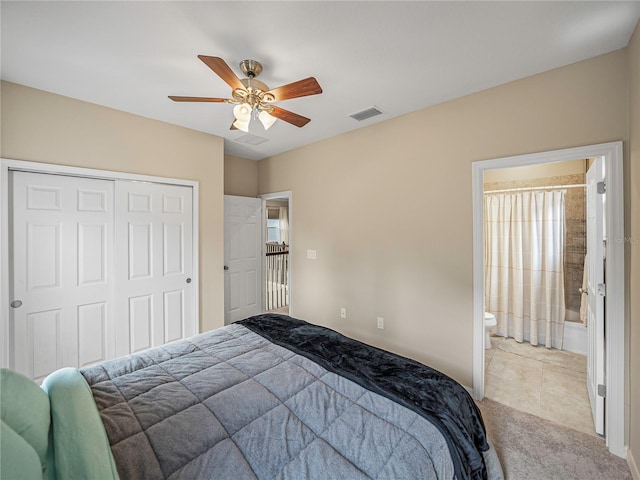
<point>197,99</point>
<point>289,117</point>
<point>301,88</point>
<point>220,67</point>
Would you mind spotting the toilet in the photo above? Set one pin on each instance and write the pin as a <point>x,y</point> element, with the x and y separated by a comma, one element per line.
<point>489,321</point>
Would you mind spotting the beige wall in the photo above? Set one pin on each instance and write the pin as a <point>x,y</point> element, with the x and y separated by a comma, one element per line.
<point>42,127</point>
<point>388,207</point>
<point>240,176</point>
<point>633,247</point>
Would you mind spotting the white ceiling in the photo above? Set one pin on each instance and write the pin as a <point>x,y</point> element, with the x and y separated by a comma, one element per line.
<point>399,56</point>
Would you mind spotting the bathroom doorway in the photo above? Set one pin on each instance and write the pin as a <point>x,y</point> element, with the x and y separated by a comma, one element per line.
<point>614,345</point>
<point>535,240</point>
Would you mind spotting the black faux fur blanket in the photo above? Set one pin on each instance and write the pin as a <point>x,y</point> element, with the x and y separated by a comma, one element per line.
<point>422,389</point>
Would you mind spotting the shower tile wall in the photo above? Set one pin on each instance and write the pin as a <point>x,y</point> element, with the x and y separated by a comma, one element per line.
<point>576,231</point>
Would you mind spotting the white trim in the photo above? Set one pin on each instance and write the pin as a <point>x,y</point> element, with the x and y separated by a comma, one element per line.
<point>477,197</point>
<point>55,169</point>
<point>616,345</point>
<point>4,269</point>
<point>616,323</point>
<point>52,168</point>
<point>195,255</point>
<point>531,189</point>
<point>633,466</point>
<point>277,196</point>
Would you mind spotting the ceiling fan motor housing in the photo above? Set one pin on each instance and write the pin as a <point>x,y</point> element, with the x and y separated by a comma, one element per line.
<point>251,68</point>
<point>255,94</point>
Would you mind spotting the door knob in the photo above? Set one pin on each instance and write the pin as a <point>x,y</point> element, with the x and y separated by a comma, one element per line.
<point>188,280</point>
<point>16,304</point>
<point>226,267</point>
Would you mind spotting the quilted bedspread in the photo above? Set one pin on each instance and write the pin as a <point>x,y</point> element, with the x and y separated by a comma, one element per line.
<point>230,404</point>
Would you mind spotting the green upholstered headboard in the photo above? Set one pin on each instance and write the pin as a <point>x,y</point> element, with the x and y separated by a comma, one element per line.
<point>54,431</point>
<point>25,449</point>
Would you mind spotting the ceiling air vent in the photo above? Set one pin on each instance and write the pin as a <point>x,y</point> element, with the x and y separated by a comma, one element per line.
<point>250,139</point>
<point>366,113</point>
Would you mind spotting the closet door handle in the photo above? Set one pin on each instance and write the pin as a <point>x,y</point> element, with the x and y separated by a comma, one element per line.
<point>16,304</point>
<point>188,280</point>
<point>226,267</point>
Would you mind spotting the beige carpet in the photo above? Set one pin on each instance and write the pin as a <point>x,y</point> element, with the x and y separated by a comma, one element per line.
<point>530,447</point>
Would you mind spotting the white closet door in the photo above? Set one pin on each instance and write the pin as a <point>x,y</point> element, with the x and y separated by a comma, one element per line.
<point>155,293</point>
<point>62,313</point>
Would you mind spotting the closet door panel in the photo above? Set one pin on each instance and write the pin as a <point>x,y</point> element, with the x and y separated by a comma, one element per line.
<point>141,322</point>
<point>173,310</point>
<point>92,333</point>
<point>43,342</point>
<point>62,240</point>
<point>140,249</point>
<point>154,258</point>
<point>43,245</point>
<point>92,253</point>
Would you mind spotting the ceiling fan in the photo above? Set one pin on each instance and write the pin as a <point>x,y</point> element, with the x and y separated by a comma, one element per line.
<point>252,97</point>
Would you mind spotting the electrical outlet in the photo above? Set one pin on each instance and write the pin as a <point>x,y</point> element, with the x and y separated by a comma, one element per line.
<point>381,323</point>
<point>343,312</point>
<point>312,254</point>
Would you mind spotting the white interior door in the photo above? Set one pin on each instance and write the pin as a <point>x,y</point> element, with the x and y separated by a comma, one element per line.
<point>596,294</point>
<point>154,264</point>
<point>61,276</point>
<point>242,257</point>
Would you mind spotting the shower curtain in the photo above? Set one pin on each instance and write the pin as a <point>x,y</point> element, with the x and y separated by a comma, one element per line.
<point>524,265</point>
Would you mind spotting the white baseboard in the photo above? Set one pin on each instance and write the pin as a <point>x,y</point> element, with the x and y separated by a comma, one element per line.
<point>470,390</point>
<point>633,466</point>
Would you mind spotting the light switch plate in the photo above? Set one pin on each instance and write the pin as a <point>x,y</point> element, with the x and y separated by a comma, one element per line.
<point>311,254</point>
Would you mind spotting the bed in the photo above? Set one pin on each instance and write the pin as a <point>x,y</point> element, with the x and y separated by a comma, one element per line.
<point>269,397</point>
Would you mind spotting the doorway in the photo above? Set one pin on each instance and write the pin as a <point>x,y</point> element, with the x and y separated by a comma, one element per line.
<point>535,237</point>
<point>257,264</point>
<point>614,351</point>
<point>277,257</point>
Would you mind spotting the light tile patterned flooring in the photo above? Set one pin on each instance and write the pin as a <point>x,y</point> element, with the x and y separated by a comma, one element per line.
<point>281,310</point>
<point>548,383</point>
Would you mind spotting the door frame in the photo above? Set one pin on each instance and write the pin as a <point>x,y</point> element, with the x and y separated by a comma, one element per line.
<point>279,196</point>
<point>54,169</point>
<point>615,342</point>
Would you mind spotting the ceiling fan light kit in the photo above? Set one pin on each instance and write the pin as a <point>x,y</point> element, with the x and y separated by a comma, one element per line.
<point>253,98</point>
<point>267,119</point>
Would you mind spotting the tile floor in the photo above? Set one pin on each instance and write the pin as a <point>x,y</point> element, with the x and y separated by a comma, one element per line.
<point>281,310</point>
<point>548,383</point>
